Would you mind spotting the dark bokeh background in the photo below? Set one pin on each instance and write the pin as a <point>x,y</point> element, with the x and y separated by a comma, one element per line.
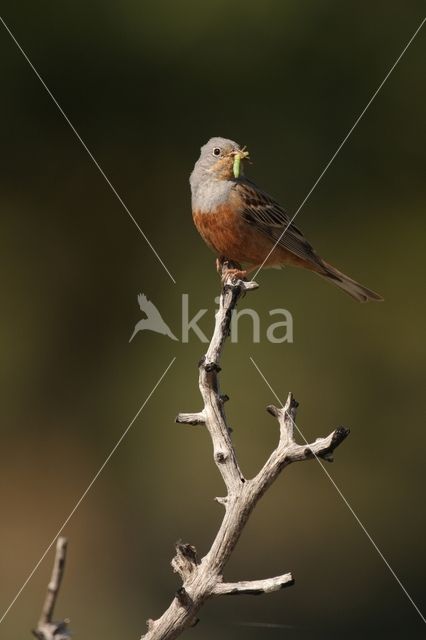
<point>145,84</point>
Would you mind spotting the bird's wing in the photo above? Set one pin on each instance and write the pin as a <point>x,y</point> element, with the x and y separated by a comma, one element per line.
<point>259,209</point>
<point>148,307</point>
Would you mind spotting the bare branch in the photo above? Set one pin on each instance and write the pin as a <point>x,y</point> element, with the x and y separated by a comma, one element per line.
<point>191,418</point>
<point>254,587</point>
<point>203,579</point>
<point>288,450</point>
<point>47,629</point>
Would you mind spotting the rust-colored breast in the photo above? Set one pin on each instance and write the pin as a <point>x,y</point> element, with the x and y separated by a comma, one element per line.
<point>229,235</point>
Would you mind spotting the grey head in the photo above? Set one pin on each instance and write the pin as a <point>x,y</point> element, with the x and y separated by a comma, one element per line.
<point>210,186</point>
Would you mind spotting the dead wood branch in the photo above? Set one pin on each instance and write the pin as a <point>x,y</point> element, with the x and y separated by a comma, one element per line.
<point>203,579</point>
<point>47,629</point>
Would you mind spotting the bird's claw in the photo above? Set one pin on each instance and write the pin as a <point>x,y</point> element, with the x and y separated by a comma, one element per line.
<point>227,268</point>
<point>236,274</point>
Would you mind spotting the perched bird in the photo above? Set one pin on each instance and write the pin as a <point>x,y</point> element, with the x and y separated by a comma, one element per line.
<point>243,224</point>
<point>153,320</point>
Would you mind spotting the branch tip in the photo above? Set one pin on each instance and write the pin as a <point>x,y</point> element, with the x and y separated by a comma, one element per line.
<point>191,418</point>
<point>339,435</point>
<point>273,410</point>
<point>291,405</point>
<point>254,587</point>
<point>248,286</point>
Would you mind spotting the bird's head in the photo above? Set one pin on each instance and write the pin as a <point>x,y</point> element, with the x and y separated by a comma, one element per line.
<point>220,159</point>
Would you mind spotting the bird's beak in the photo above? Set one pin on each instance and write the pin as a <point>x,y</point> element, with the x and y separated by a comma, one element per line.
<point>239,154</point>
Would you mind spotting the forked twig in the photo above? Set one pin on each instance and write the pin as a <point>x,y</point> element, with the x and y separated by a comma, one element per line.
<point>203,578</point>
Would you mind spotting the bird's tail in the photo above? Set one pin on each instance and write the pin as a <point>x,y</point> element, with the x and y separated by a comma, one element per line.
<point>353,288</point>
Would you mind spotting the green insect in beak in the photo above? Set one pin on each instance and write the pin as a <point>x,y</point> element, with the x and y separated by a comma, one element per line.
<point>240,155</point>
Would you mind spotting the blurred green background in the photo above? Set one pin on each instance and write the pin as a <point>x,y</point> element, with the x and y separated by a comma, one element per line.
<point>145,84</point>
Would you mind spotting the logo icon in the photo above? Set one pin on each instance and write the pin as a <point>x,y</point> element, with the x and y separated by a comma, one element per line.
<point>276,332</point>
<point>153,320</point>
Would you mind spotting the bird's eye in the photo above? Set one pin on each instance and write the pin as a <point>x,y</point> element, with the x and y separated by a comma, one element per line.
<point>216,151</point>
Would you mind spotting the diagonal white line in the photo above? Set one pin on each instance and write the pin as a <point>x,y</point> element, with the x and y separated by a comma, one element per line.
<point>92,157</point>
<point>343,497</point>
<point>84,494</point>
<point>361,115</point>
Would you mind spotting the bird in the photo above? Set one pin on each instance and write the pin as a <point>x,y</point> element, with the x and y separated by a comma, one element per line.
<point>245,225</point>
<point>153,320</point>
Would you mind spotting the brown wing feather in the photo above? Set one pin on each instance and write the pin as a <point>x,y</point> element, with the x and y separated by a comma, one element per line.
<point>269,217</point>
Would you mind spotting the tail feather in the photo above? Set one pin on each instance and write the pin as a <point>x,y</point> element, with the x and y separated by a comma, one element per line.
<point>352,287</point>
